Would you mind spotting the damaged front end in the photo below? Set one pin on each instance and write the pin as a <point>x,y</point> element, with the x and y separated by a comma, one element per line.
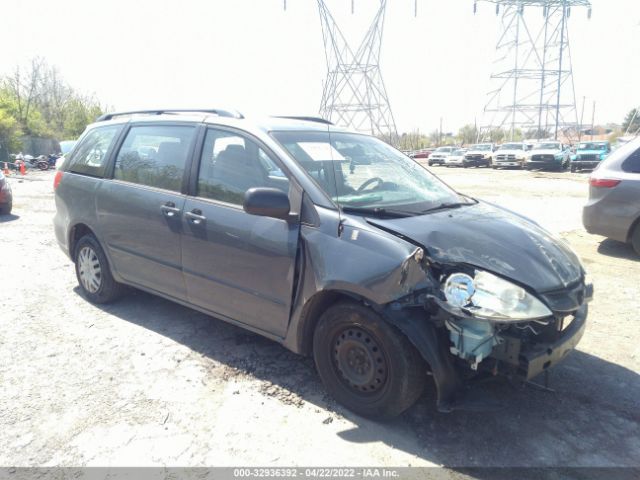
<point>479,323</point>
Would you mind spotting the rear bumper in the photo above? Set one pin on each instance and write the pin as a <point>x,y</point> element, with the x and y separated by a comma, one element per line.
<point>599,218</point>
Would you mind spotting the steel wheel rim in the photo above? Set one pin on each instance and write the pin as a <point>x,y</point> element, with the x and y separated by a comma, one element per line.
<point>89,269</point>
<point>359,361</point>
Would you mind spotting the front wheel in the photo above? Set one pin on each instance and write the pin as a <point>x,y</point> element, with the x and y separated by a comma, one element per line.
<point>365,363</point>
<point>93,272</point>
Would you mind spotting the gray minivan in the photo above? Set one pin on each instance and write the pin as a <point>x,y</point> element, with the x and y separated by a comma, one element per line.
<point>330,242</point>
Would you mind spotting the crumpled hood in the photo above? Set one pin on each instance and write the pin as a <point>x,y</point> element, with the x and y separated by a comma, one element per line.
<point>493,239</point>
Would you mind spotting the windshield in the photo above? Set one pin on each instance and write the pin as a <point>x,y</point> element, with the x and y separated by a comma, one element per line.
<point>458,152</point>
<point>547,146</point>
<point>482,147</point>
<point>592,146</point>
<point>512,146</point>
<point>443,149</point>
<point>362,172</point>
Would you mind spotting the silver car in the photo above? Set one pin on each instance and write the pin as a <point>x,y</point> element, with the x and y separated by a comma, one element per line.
<point>613,209</point>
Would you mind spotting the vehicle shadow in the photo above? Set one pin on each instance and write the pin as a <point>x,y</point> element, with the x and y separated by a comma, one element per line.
<point>613,248</point>
<point>8,218</point>
<point>592,418</point>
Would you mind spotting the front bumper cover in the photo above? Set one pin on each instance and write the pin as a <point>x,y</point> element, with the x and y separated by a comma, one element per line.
<point>536,359</point>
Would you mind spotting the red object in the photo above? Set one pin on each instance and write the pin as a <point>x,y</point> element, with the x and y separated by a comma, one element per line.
<point>603,182</point>
<point>6,169</point>
<point>23,170</point>
<point>56,179</point>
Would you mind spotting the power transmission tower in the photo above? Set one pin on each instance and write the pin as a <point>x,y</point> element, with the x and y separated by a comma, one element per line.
<point>532,84</point>
<point>354,94</point>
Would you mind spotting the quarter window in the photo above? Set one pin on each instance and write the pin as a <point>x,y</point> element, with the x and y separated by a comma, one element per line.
<point>632,163</point>
<point>155,156</point>
<point>91,155</point>
<point>231,164</point>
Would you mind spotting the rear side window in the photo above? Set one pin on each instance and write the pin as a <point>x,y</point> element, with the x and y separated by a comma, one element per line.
<point>155,156</point>
<point>90,156</point>
<point>632,163</point>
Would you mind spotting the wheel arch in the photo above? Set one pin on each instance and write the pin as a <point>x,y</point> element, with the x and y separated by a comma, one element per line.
<point>76,232</point>
<point>313,309</point>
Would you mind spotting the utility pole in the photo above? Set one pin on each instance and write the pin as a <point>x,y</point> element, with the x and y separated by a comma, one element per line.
<point>440,135</point>
<point>562,32</point>
<point>593,119</point>
<point>581,120</point>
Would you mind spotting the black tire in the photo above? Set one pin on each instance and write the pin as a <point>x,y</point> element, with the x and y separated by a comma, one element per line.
<point>635,239</point>
<point>348,341</point>
<point>6,209</point>
<point>105,289</point>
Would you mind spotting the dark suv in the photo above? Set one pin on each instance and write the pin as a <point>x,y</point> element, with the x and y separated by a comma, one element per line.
<point>330,242</point>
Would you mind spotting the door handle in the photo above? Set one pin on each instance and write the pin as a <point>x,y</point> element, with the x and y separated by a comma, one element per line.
<point>169,209</point>
<point>195,216</point>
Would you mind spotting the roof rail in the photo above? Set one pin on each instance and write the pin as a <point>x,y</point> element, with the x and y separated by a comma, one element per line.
<point>217,111</point>
<point>306,119</point>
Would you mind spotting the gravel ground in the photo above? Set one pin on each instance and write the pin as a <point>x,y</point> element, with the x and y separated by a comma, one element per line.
<point>148,382</point>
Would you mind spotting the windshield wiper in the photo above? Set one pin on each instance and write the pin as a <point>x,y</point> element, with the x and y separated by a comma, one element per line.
<point>378,211</point>
<point>446,205</point>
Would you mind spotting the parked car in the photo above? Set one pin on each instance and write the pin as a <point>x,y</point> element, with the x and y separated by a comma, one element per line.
<point>479,155</point>
<point>613,209</point>
<point>424,153</point>
<point>6,196</point>
<point>456,158</point>
<point>589,155</point>
<point>548,155</point>
<point>509,155</point>
<point>440,154</point>
<point>332,243</point>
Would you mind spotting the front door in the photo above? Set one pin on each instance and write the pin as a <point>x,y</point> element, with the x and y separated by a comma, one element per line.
<point>140,209</point>
<point>238,265</point>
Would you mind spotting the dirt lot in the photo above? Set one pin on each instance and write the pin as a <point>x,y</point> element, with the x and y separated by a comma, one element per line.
<point>148,382</point>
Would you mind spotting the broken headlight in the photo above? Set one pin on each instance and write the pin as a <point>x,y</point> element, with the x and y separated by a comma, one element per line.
<point>492,298</point>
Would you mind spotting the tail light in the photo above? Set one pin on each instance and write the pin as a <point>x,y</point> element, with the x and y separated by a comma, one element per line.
<point>603,182</point>
<point>57,179</point>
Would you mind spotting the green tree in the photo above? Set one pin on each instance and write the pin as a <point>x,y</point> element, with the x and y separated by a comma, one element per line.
<point>468,134</point>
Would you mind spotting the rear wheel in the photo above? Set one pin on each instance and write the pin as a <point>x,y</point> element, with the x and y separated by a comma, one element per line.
<point>365,363</point>
<point>93,272</point>
<point>635,239</point>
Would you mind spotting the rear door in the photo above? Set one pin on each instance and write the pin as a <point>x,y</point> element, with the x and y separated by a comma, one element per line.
<point>140,208</point>
<point>238,265</point>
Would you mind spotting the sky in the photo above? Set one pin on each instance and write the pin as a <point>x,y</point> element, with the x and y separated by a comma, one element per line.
<point>257,58</point>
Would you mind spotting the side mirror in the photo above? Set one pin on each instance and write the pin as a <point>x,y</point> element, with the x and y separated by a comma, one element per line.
<point>267,202</point>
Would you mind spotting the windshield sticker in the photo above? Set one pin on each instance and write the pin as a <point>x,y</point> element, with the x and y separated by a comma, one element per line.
<point>321,151</point>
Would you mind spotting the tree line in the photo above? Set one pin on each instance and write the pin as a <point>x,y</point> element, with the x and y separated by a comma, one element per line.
<point>470,134</point>
<point>36,101</point>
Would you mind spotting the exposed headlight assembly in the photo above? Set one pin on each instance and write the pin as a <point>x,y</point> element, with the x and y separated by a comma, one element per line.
<point>492,298</point>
